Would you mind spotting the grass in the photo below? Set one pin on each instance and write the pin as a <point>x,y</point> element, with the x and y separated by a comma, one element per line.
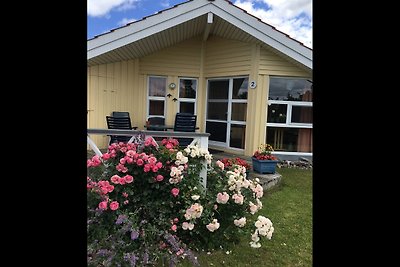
<point>289,206</point>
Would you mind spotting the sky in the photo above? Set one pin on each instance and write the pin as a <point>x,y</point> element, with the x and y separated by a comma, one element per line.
<point>293,17</point>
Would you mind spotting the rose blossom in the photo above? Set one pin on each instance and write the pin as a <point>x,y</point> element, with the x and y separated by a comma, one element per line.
<point>103,205</point>
<point>159,178</point>
<point>186,225</point>
<point>175,191</point>
<point>115,179</point>
<point>222,198</point>
<point>114,205</point>
<point>128,179</point>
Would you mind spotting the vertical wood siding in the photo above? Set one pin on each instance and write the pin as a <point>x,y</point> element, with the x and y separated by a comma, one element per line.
<point>225,57</point>
<point>272,64</point>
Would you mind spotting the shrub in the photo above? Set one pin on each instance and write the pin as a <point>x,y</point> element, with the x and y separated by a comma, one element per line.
<point>146,204</point>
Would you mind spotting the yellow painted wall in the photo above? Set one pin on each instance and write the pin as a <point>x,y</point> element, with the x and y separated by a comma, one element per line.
<point>122,85</point>
<point>272,64</point>
<point>113,87</point>
<point>226,58</point>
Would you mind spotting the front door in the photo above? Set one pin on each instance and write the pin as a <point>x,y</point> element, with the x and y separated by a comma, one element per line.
<point>227,111</point>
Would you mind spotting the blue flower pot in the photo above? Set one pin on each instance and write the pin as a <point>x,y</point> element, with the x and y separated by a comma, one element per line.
<point>264,166</point>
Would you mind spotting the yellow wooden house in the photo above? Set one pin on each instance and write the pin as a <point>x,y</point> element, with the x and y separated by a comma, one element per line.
<point>247,82</point>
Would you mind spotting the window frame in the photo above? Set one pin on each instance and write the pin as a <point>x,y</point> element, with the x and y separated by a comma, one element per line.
<point>157,98</point>
<point>188,100</point>
<point>288,123</point>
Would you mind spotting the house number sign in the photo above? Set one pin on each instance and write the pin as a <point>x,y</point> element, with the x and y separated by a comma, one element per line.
<point>253,84</point>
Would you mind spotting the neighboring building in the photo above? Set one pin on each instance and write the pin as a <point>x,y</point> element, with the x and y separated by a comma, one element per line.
<point>247,82</point>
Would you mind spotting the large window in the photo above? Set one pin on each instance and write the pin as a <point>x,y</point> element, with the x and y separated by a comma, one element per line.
<point>187,95</point>
<point>156,96</point>
<point>290,115</point>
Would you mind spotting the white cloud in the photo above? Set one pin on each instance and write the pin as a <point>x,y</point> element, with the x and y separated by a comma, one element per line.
<point>291,17</point>
<point>165,3</point>
<point>125,21</point>
<point>98,8</point>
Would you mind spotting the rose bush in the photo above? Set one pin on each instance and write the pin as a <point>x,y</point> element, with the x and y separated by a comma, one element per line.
<point>146,204</point>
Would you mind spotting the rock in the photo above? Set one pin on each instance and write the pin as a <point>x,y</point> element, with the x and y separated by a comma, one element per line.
<point>267,181</point>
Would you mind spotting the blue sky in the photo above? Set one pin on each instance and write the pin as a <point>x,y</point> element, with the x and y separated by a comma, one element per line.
<point>293,17</point>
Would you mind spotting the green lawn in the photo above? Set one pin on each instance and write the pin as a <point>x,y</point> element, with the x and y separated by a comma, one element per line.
<point>289,206</point>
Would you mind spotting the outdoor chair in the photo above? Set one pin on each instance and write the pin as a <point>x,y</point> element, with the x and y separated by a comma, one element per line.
<point>120,114</point>
<point>155,121</point>
<point>185,122</point>
<point>119,123</point>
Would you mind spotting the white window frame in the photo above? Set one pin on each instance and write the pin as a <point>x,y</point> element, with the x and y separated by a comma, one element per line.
<point>158,98</point>
<point>188,100</point>
<point>289,106</point>
<point>288,123</point>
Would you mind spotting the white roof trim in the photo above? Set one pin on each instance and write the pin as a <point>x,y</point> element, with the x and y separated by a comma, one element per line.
<point>190,10</point>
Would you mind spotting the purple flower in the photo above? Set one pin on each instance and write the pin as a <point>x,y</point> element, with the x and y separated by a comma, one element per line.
<point>121,219</point>
<point>134,234</point>
<point>131,258</point>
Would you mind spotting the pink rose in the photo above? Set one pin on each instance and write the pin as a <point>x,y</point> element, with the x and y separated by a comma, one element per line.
<point>103,205</point>
<point>139,162</point>
<point>128,179</point>
<point>110,188</point>
<point>121,180</point>
<point>175,191</point>
<point>159,178</point>
<point>114,205</point>
<point>176,220</point>
<point>174,227</point>
<point>106,156</point>
<point>115,179</point>
<point>125,194</point>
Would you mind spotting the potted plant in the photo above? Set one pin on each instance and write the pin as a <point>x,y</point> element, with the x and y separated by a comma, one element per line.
<point>263,160</point>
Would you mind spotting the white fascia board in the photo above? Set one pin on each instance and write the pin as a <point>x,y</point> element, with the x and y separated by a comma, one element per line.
<point>144,28</point>
<point>191,10</point>
<point>263,32</point>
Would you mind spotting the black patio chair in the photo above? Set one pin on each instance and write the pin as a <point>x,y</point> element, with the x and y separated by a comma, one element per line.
<point>185,122</point>
<point>120,114</point>
<point>155,121</point>
<point>119,123</point>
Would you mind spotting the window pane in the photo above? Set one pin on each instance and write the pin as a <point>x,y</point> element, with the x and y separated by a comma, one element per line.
<point>218,89</point>
<point>240,88</point>
<point>186,107</point>
<point>290,139</point>
<point>156,107</point>
<point>277,113</point>
<point>217,111</point>
<point>217,131</point>
<point>157,86</point>
<point>302,114</point>
<point>291,89</point>
<point>187,88</point>
<point>237,136</point>
<point>239,111</point>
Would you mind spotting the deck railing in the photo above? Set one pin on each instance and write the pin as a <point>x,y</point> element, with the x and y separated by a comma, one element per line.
<point>201,139</point>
